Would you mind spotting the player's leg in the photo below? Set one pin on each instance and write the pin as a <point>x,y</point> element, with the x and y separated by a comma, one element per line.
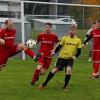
<point>49,77</point>
<point>36,74</point>
<point>47,62</point>
<point>90,55</point>
<point>26,50</point>
<point>59,66</point>
<point>37,70</point>
<point>43,65</point>
<point>95,70</point>
<point>69,65</point>
<point>90,51</point>
<point>3,58</point>
<point>96,61</point>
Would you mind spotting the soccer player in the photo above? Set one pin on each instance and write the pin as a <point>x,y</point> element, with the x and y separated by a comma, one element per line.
<point>47,39</point>
<point>95,34</point>
<point>90,42</point>
<point>7,46</point>
<point>71,49</point>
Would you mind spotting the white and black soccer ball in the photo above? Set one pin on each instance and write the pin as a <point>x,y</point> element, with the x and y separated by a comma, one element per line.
<point>31,43</point>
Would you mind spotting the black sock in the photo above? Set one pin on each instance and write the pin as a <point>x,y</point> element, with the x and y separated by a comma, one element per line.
<point>50,75</point>
<point>67,78</point>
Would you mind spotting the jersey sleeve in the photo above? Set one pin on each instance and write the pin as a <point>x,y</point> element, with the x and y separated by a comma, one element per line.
<point>62,42</point>
<point>79,44</point>
<point>89,31</point>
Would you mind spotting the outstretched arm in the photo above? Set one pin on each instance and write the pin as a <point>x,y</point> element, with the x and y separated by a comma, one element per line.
<point>87,39</point>
<point>57,48</point>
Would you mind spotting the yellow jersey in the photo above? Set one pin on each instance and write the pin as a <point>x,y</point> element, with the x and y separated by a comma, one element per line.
<point>69,46</point>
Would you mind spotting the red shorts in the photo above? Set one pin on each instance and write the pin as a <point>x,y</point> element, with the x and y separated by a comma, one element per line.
<point>96,56</point>
<point>45,62</point>
<point>6,53</point>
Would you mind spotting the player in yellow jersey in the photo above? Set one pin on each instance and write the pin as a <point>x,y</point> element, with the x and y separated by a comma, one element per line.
<point>71,49</point>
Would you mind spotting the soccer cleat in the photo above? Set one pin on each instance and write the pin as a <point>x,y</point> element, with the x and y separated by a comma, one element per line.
<point>37,78</point>
<point>32,83</point>
<point>41,87</point>
<point>64,88</point>
<point>94,76</point>
<point>89,59</point>
<point>36,58</point>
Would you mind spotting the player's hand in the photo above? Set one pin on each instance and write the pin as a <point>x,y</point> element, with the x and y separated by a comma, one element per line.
<point>84,45</point>
<point>74,57</point>
<point>2,41</point>
<point>36,58</point>
<point>52,52</point>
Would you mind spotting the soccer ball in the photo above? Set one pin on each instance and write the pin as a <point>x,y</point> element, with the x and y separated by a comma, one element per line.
<point>31,43</point>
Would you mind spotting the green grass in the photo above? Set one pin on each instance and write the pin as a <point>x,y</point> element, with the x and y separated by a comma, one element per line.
<point>15,82</point>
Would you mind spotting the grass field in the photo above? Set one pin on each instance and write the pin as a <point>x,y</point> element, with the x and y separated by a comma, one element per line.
<point>15,82</point>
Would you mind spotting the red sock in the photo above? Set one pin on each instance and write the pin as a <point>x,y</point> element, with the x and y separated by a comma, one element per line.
<point>29,52</point>
<point>95,68</point>
<point>36,75</point>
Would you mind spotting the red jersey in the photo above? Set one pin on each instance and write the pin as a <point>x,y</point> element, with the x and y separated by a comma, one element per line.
<point>47,43</point>
<point>96,39</point>
<point>8,36</point>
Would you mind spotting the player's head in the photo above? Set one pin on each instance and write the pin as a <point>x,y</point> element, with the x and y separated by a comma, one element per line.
<point>72,30</point>
<point>48,28</point>
<point>98,24</point>
<point>9,24</point>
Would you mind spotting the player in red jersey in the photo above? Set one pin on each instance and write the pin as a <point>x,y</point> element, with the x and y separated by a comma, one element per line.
<point>95,34</point>
<point>7,46</point>
<point>90,42</point>
<point>47,40</point>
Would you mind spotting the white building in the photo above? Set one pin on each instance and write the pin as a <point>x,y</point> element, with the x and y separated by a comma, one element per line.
<point>9,8</point>
<point>12,8</point>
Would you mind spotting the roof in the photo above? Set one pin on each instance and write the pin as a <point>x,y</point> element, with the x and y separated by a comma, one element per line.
<point>57,21</point>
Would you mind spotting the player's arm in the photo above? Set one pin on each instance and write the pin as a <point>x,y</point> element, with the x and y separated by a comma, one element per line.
<point>57,48</point>
<point>78,52</point>
<point>2,41</point>
<point>88,35</point>
<point>87,39</point>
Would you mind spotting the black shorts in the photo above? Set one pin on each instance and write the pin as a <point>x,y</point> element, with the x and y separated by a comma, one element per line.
<point>63,63</point>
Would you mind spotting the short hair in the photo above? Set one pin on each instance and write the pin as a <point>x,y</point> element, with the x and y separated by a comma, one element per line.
<point>6,22</point>
<point>48,24</point>
<point>73,26</point>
